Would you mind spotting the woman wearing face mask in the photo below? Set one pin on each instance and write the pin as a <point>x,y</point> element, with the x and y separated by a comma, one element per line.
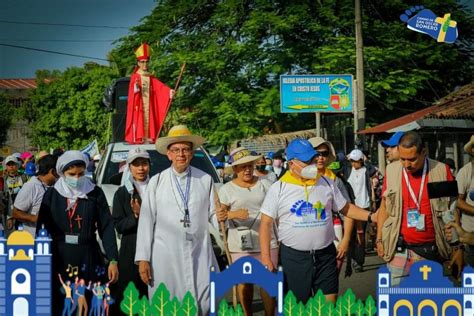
<point>261,170</point>
<point>72,211</point>
<point>126,211</point>
<point>243,196</point>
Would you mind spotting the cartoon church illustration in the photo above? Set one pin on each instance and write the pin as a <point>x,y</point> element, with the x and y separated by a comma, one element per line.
<point>246,270</point>
<point>425,292</point>
<point>25,273</point>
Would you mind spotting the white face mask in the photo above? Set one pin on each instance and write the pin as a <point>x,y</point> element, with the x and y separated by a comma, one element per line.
<point>74,182</point>
<point>310,172</point>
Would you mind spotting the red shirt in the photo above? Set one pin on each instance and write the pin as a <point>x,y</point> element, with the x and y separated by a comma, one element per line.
<point>410,234</point>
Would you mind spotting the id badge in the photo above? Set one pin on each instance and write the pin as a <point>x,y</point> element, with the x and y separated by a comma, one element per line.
<point>412,218</point>
<point>72,239</point>
<point>420,226</point>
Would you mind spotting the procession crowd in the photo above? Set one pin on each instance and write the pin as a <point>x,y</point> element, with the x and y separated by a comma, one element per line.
<point>306,208</point>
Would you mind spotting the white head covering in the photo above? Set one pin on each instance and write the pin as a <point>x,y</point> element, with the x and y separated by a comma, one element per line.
<point>127,178</point>
<point>69,158</point>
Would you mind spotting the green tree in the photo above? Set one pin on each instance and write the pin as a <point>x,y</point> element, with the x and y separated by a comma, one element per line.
<point>347,302</point>
<point>188,308</point>
<point>235,52</point>
<point>144,307</point>
<point>370,308</point>
<point>130,304</point>
<point>329,309</point>
<point>6,117</point>
<point>315,305</point>
<point>66,109</point>
<point>172,309</point>
<point>290,306</point>
<point>359,308</point>
<point>160,300</point>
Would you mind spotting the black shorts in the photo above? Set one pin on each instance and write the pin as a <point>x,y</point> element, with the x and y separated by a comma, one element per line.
<point>306,272</point>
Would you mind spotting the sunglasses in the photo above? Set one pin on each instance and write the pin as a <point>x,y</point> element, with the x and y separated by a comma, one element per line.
<point>323,153</point>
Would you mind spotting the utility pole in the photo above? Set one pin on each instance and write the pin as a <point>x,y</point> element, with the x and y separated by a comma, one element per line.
<point>360,115</point>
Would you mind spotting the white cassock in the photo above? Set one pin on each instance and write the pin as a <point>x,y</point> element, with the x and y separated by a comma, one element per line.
<point>179,257</point>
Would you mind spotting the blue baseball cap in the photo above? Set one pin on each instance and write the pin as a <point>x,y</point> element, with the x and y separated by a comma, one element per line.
<point>393,141</point>
<point>300,149</point>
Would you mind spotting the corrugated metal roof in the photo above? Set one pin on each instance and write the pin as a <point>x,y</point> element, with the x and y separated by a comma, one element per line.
<point>458,105</point>
<point>17,84</point>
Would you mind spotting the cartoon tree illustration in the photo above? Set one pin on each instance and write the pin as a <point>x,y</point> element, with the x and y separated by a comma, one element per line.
<point>239,311</point>
<point>329,309</point>
<point>359,308</point>
<point>160,300</point>
<point>290,304</point>
<point>189,305</point>
<point>129,304</point>
<point>172,309</point>
<point>300,309</point>
<point>370,308</point>
<point>339,310</point>
<point>144,307</point>
<point>223,308</point>
<point>315,305</point>
<point>347,303</point>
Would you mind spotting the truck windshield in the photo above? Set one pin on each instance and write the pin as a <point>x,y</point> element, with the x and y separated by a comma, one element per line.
<point>159,163</point>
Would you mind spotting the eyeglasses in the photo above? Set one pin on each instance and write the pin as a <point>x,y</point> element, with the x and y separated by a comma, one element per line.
<point>143,61</point>
<point>181,150</point>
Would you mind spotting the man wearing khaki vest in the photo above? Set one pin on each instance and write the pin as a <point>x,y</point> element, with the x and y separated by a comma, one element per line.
<point>410,225</point>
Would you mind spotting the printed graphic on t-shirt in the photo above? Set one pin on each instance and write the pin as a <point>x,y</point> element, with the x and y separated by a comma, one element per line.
<point>311,215</point>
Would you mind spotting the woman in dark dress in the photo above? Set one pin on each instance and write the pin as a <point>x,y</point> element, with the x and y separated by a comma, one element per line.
<point>125,211</point>
<point>72,211</point>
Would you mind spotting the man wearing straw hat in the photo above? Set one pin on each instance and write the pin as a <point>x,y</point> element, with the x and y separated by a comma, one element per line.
<point>175,246</point>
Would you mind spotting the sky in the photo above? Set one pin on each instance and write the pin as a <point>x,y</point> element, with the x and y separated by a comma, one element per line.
<point>29,31</point>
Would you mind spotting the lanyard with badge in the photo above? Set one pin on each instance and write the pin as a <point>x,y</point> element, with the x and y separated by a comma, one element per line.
<point>71,238</point>
<point>414,217</point>
<point>185,198</point>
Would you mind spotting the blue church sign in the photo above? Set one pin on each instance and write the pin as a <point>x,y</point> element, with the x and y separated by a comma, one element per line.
<point>246,270</point>
<point>425,292</point>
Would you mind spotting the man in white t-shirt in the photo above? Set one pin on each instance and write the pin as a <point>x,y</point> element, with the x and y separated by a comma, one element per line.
<point>465,179</point>
<point>28,201</point>
<point>302,202</point>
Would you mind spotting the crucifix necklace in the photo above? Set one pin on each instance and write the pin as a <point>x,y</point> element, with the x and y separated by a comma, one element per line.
<point>185,198</point>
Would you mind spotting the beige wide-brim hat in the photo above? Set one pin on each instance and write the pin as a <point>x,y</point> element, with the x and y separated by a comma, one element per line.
<point>240,156</point>
<point>178,134</point>
<point>468,146</point>
<point>318,141</point>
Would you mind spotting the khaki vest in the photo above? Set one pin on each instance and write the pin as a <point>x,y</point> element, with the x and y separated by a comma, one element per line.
<point>393,203</point>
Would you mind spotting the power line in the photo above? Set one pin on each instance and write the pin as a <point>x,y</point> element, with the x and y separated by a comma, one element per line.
<point>52,52</point>
<point>64,24</point>
<point>56,40</point>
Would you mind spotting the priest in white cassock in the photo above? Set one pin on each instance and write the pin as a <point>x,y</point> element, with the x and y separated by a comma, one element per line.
<point>174,245</point>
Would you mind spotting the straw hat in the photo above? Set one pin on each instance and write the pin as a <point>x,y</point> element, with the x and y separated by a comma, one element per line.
<point>468,146</point>
<point>240,156</point>
<point>178,134</point>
